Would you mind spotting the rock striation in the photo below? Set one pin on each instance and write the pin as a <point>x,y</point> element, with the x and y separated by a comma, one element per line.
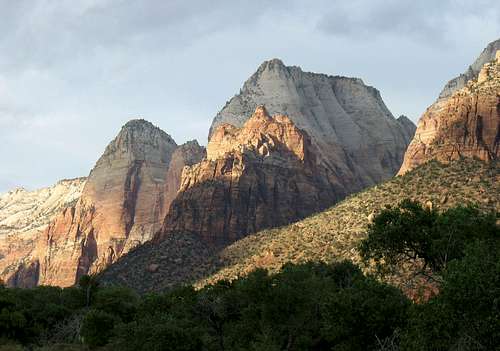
<point>122,205</point>
<point>356,136</point>
<point>264,174</point>
<point>464,124</point>
<point>329,236</point>
<point>472,72</point>
<point>25,214</point>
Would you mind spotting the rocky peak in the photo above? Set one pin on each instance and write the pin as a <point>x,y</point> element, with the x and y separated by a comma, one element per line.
<point>122,205</point>
<point>487,55</point>
<point>139,139</point>
<point>465,124</point>
<point>272,64</point>
<point>262,174</point>
<point>262,134</point>
<point>343,117</point>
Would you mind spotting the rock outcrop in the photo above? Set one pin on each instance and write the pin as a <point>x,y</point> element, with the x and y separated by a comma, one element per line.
<point>329,236</point>
<point>465,124</point>
<point>264,174</point>
<point>472,72</point>
<point>25,214</point>
<point>124,200</point>
<point>356,136</point>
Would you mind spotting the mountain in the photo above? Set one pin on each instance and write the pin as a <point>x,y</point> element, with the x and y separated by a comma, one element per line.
<point>463,124</point>
<point>357,137</point>
<point>125,198</point>
<point>472,72</point>
<point>25,214</point>
<point>328,236</point>
<point>264,174</point>
<point>260,170</point>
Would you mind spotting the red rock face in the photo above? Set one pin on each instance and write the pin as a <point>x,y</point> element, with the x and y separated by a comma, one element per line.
<point>126,196</point>
<point>264,174</point>
<point>466,124</point>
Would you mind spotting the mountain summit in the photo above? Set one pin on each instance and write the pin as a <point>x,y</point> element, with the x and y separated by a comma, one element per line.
<point>465,124</point>
<point>357,137</point>
<point>487,55</point>
<point>124,200</point>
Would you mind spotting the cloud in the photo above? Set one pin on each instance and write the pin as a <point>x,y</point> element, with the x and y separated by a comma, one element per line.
<point>435,22</point>
<point>46,33</point>
<point>73,71</point>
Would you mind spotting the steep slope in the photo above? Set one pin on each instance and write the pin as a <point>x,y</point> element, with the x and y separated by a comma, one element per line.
<point>465,124</point>
<point>25,214</point>
<point>472,72</point>
<point>357,137</point>
<point>124,200</point>
<point>327,236</point>
<point>264,174</point>
<point>23,211</point>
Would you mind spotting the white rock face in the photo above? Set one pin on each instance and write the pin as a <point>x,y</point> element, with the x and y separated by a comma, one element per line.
<point>25,212</point>
<point>358,138</point>
<point>472,72</point>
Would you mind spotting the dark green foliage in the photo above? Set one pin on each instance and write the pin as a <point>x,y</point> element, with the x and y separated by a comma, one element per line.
<point>311,306</point>
<point>97,328</point>
<point>410,231</point>
<point>305,307</point>
<point>466,314</point>
<point>117,301</point>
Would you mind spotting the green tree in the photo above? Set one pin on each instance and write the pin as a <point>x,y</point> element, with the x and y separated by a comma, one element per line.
<point>97,328</point>
<point>466,313</point>
<point>118,301</point>
<point>410,231</point>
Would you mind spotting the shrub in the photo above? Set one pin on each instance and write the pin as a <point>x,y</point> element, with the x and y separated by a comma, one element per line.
<point>97,328</point>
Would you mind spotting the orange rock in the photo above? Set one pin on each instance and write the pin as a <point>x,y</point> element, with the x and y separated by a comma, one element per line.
<point>465,124</point>
<point>262,175</point>
<point>124,200</point>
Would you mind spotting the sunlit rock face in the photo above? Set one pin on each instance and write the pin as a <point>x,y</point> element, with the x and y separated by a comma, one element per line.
<point>23,217</point>
<point>356,136</point>
<point>123,203</point>
<point>264,174</point>
<point>472,72</point>
<point>463,124</point>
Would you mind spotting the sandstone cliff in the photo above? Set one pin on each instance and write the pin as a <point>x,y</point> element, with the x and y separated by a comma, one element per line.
<point>25,214</point>
<point>124,200</point>
<point>264,174</point>
<point>472,72</point>
<point>464,124</point>
<point>329,236</point>
<point>357,137</point>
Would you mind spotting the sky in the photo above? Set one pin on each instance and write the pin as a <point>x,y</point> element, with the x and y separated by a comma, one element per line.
<point>72,72</point>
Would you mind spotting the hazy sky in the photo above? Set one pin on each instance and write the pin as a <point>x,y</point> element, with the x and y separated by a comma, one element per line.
<point>72,72</point>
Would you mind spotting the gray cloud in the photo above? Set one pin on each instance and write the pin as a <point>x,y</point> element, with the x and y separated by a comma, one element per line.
<point>430,21</point>
<point>73,71</point>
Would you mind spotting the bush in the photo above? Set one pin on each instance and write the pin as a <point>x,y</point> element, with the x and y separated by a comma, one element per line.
<point>410,232</point>
<point>466,314</point>
<point>97,328</point>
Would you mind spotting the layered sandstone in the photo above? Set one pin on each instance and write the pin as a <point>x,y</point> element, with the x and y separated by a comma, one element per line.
<point>356,136</point>
<point>264,174</point>
<point>465,124</point>
<point>472,71</point>
<point>25,214</point>
<point>124,200</point>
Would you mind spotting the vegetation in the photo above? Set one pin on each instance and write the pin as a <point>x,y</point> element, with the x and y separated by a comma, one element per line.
<point>411,231</point>
<point>330,236</point>
<point>309,306</point>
